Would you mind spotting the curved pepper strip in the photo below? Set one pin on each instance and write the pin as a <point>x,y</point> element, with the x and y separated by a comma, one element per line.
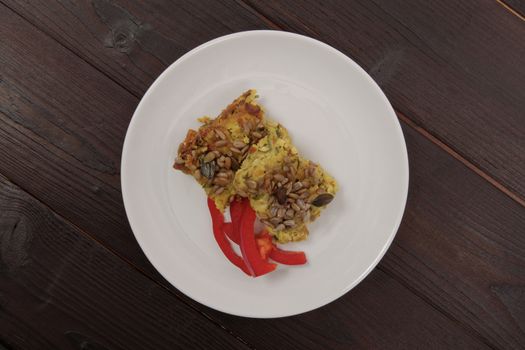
<point>222,241</point>
<point>249,248</point>
<point>236,210</point>
<point>287,257</point>
<point>228,230</point>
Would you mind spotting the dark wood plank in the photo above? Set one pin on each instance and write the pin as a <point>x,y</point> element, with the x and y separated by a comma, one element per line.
<point>22,140</point>
<point>61,290</point>
<point>452,67</point>
<point>516,6</point>
<point>133,42</point>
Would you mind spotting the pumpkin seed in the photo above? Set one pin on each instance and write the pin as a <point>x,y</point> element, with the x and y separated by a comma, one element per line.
<point>208,170</point>
<point>281,195</point>
<point>322,199</point>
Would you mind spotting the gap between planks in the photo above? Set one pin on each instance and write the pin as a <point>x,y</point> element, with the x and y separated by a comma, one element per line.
<point>460,158</point>
<point>401,116</point>
<point>132,266</point>
<point>511,10</point>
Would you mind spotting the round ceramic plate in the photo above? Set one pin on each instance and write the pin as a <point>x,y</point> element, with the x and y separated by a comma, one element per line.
<point>337,116</point>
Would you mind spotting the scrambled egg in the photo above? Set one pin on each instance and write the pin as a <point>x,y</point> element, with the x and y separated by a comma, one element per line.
<point>242,153</point>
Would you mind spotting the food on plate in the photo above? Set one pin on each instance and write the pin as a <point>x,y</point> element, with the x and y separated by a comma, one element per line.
<point>247,162</point>
<point>214,153</point>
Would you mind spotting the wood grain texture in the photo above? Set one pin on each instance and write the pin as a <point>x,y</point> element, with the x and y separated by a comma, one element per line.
<point>61,290</point>
<point>482,300</point>
<point>452,67</point>
<point>133,42</point>
<point>516,6</point>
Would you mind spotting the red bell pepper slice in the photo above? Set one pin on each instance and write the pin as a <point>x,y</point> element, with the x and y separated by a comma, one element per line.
<point>228,230</point>
<point>236,211</point>
<point>222,241</point>
<point>249,248</point>
<point>287,257</point>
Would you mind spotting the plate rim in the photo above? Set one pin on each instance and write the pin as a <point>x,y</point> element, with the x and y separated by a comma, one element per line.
<point>400,138</point>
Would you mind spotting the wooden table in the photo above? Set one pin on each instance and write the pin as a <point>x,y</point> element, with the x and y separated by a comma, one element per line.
<point>71,273</point>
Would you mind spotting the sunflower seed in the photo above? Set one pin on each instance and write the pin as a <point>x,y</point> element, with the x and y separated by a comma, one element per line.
<point>220,162</point>
<point>192,167</point>
<point>227,162</point>
<point>281,212</point>
<point>296,207</point>
<point>289,213</point>
<point>289,223</point>
<point>297,186</point>
<point>279,177</point>
<point>256,134</point>
<point>273,211</point>
<point>246,127</point>
<point>219,190</point>
<point>267,223</point>
<point>302,190</point>
<point>238,144</point>
<point>245,148</point>
<point>306,216</point>
<point>280,227</point>
<point>235,150</point>
<point>220,134</point>
<point>322,199</point>
<point>275,220</point>
<point>293,195</point>
<point>197,174</point>
<point>221,181</point>
<point>179,160</point>
<point>251,184</point>
<point>221,143</point>
<point>300,203</point>
<point>209,157</point>
<point>223,174</point>
<point>271,200</point>
<point>289,187</point>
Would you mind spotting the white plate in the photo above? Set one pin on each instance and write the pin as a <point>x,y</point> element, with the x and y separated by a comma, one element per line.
<point>336,115</point>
